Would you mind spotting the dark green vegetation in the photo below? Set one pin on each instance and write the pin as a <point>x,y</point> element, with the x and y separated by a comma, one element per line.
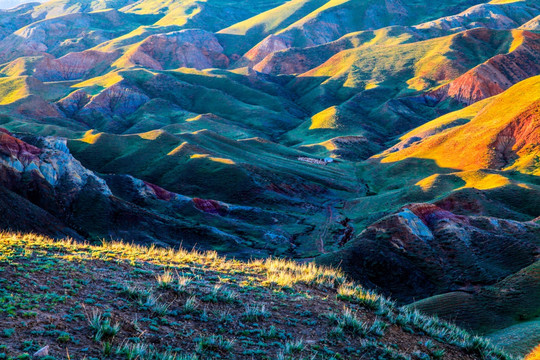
<point>385,137</point>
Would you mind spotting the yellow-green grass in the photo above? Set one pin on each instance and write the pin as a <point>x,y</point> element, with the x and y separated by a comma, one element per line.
<point>15,88</point>
<point>199,14</point>
<point>275,19</point>
<point>471,146</point>
<point>402,66</point>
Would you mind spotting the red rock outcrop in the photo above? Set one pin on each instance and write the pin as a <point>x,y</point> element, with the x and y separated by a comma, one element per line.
<point>428,251</point>
<point>160,192</point>
<point>521,133</point>
<point>17,149</point>
<point>73,66</point>
<point>266,47</point>
<point>497,74</point>
<point>431,214</point>
<point>197,49</point>
<point>210,206</point>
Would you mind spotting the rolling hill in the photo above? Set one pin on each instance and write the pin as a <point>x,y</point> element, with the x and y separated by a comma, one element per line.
<point>382,137</point>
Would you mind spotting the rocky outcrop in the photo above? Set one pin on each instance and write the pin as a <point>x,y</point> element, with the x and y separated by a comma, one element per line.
<point>73,66</point>
<point>51,161</point>
<point>74,102</point>
<point>16,153</point>
<point>197,49</point>
<point>55,195</point>
<point>49,35</point>
<point>520,134</point>
<point>497,74</point>
<point>266,47</point>
<point>429,251</point>
<point>210,206</point>
<point>119,99</point>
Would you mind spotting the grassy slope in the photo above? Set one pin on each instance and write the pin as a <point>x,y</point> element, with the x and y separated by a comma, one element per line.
<point>208,15</point>
<point>470,146</point>
<point>408,67</point>
<point>508,310</point>
<point>450,155</point>
<point>361,83</point>
<point>353,16</point>
<point>124,302</point>
<point>221,93</point>
<point>168,159</point>
<point>254,29</point>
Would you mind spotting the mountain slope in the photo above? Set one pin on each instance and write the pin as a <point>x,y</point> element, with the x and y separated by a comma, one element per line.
<point>503,134</point>
<point>371,134</point>
<point>215,308</point>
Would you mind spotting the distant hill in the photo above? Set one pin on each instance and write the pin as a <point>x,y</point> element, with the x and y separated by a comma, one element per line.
<point>7,4</point>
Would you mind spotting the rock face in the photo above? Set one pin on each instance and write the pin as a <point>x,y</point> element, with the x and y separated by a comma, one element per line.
<point>428,251</point>
<point>197,49</point>
<point>521,135</point>
<point>74,102</point>
<point>50,162</point>
<point>15,149</point>
<point>210,206</point>
<point>268,46</point>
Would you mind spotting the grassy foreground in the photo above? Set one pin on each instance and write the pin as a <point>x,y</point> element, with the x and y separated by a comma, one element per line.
<point>120,301</point>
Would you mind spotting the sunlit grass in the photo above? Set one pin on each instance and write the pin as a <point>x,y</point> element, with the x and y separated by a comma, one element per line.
<point>534,355</point>
<point>186,276</point>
